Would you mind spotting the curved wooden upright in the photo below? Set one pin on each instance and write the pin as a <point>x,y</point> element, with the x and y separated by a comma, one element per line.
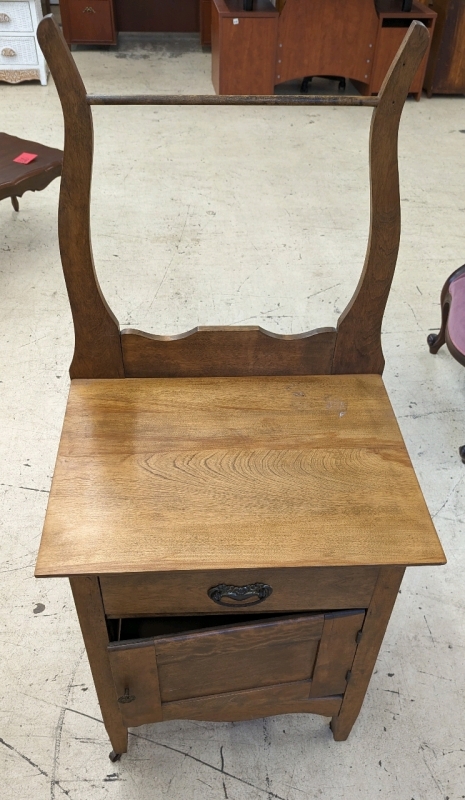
<point>235,520</point>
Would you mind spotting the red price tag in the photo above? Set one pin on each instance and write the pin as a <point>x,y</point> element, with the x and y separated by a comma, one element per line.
<point>25,158</point>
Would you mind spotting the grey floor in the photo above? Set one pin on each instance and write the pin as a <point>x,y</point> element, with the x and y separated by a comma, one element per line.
<point>216,216</point>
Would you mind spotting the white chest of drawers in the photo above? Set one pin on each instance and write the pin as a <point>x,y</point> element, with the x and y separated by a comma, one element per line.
<point>21,58</point>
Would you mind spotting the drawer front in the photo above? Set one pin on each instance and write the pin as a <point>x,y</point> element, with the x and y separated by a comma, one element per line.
<point>20,50</point>
<point>274,665</point>
<point>91,21</point>
<point>15,17</point>
<point>292,589</point>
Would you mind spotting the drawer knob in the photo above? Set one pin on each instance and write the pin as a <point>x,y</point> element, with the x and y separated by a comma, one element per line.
<point>5,18</point>
<point>88,10</point>
<point>126,697</point>
<point>8,51</point>
<point>249,595</point>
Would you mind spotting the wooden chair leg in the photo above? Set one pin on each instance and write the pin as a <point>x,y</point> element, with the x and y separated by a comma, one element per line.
<point>436,340</point>
<point>373,631</point>
<point>89,606</point>
<point>462,453</point>
<point>14,203</point>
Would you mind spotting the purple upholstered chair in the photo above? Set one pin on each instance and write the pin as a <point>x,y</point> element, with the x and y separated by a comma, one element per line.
<point>452,330</point>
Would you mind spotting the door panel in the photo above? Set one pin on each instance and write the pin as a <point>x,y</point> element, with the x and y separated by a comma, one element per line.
<point>237,671</point>
<point>239,657</point>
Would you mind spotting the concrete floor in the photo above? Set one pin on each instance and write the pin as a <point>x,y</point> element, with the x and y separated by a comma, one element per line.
<point>218,216</point>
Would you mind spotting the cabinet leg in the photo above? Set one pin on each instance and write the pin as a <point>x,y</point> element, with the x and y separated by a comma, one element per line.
<point>14,203</point>
<point>89,607</point>
<point>374,628</point>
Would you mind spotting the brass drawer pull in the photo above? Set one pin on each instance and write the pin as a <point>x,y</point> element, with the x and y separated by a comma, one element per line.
<point>226,595</point>
<point>5,18</point>
<point>126,697</point>
<point>89,10</point>
<point>8,51</point>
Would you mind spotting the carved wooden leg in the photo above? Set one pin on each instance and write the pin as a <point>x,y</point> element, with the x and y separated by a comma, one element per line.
<point>14,203</point>
<point>89,607</point>
<point>436,340</point>
<point>377,618</point>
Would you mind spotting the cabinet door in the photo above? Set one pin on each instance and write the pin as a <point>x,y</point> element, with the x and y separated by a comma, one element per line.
<point>240,671</point>
<point>88,21</point>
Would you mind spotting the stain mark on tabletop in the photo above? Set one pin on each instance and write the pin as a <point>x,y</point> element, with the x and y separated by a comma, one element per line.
<point>38,609</point>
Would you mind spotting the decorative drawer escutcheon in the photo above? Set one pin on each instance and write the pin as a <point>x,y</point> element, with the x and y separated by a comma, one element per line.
<point>251,593</point>
<point>5,18</point>
<point>9,52</point>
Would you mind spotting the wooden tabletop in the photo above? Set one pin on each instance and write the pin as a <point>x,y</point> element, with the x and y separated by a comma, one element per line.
<point>13,175</point>
<point>194,474</point>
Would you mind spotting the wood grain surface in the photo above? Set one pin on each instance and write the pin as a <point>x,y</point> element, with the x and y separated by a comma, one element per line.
<point>321,38</point>
<point>194,474</point>
<point>91,616</point>
<point>227,352</point>
<point>374,628</point>
<point>336,652</point>
<point>289,698</point>
<point>298,589</point>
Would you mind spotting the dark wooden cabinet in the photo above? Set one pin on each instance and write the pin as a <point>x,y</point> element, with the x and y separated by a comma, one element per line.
<point>205,22</point>
<point>244,47</point>
<point>98,21</point>
<point>445,73</point>
<point>393,24</point>
<point>88,21</point>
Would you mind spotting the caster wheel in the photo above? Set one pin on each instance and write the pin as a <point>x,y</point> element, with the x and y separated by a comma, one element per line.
<point>431,339</point>
<point>342,85</point>
<point>304,86</point>
<point>114,756</point>
<point>462,453</point>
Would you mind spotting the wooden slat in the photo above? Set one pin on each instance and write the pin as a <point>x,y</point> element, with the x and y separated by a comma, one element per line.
<point>233,640</point>
<point>336,652</point>
<point>297,589</point>
<point>291,698</point>
<point>243,473</point>
<point>135,670</point>
<point>228,352</point>
<point>229,100</point>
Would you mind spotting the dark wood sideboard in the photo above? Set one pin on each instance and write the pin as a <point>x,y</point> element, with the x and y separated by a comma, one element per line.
<point>99,21</point>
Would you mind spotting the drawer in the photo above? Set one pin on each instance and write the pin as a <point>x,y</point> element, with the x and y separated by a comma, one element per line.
<point>91,21</point>
<point>264,666</point>
<point>15,17</point>
<point>292,589</point>
<point>18,51</point>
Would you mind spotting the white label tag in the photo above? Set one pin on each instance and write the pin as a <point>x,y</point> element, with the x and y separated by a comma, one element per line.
<point>235,21</point>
